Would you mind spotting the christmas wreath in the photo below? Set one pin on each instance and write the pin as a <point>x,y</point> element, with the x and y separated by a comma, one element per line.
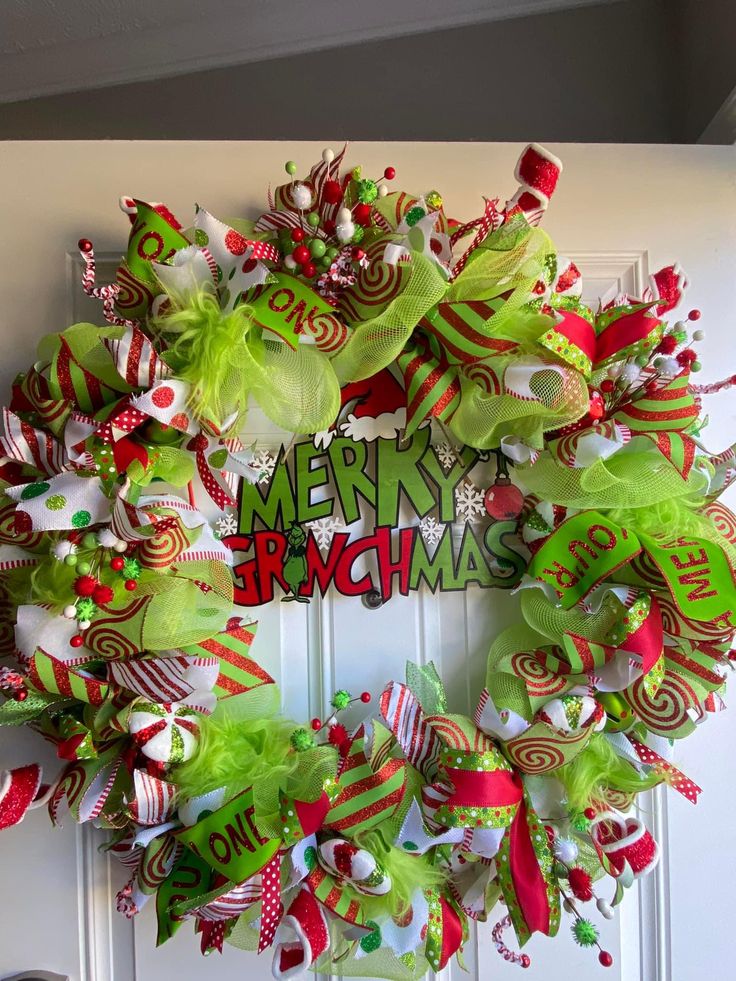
<point>374,847</point>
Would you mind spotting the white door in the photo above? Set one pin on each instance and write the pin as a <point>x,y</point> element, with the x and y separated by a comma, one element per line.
<point>619,213</point>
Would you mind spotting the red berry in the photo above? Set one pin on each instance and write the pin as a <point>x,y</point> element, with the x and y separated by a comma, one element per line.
<point>316,724</point>
<point>590,813</point>
<point>309,270</point>
<point>607,386</point>
<point>77,640</point>
<point>102,594</point>
<point>130,585</point>
<point>301,254</point>
<point>581,884</point>
<point>331,192</point>
<point>365,697</point>
<point>605,958</point>
<point>85,585</point>
<point>297,235</point>
<point>117,563</point>
<point>357,253</point>
<point>667,345</point>
<point>84,245</point>
<point>362,214</point>
<point>389,173</point>
<point>525,960</point>
<point>21,695</point>
<point>694,315</point>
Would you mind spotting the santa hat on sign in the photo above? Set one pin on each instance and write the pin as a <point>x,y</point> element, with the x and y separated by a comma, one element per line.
<point>305,922</point>
<point>18,789</point>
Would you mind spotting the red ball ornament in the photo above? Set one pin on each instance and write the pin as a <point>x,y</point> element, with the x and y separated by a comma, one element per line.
<point>596,406</point>
<point>316,724</point>
<point>309,270</point>
<point>102,594</point>
<point>365,697</point>
<point>590,813</point>
<point>117,563</point>
<point>605,958</point>
<point>357,253</point>
<point>131,585</point>
<point>77,640</point>
<point>301,254</point>
<point>607,386</point>
<point>389,173</point>
<point>331,192</point>
<point>21,695</point>
<point>694,315</point>
<point>84,245</point>
<point>297,235</point>
<point>85,585</point>
<point>581,884</point>
<point>525,960</point>
<point>503,500</point>
<point>667,345</point>
<point>362,214</point>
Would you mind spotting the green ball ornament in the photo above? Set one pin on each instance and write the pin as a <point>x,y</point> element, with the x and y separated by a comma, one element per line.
<point>317,248</point>
<point>290,167</point>
<point>358,234</point>
<point>70,560</point>
<point>83,568</point>
<point>313,219</point>
<point>695,366</point>
<point>89,540</point>
<point>642,360</point>
<point>332,253</point>
<point>324,262</point>
<point>160,434</point>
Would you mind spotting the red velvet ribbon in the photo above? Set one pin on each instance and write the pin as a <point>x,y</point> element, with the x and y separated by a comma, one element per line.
<point>619,334</point>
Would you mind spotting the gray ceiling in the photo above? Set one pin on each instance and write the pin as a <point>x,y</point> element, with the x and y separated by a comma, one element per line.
<point>591,70</point>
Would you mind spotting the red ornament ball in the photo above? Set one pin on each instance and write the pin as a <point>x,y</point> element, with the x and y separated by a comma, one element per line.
<point>503,500</point>
<point>117,563</point>
<point>365,697</point>
<point>85,585</point>
<point>301,254</point>
<point>694,315</point>
<point>667,345</point>
<point>131,585</point>
<point>389,173</point>
<point>84,245</point>
<point>581,884</point>
<point>331,192</point>
<point>77,640</point>
<point>297,235</point>
<point>590,813</point>
<point>605,958</point>
<point>525,960</point>
<point>316,724</point>
<point>607,386</point>
<point>21,695</point>
<point>362,214</point>
<point>102,594</point>
<point>309,270</point>
<point>358,253</point>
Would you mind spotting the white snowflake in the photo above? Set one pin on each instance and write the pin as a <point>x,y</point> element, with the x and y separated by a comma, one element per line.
<point>324,530</point>
<point>431,530</point>
<point>265,463</point>
<point>446,455</point>
<point>469,501</point>
<point>227,525</point>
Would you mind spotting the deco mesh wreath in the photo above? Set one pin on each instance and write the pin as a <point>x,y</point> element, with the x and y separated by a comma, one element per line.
<point>376,847</point>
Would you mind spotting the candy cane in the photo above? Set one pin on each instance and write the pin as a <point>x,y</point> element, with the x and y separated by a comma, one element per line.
<point>108,294</point>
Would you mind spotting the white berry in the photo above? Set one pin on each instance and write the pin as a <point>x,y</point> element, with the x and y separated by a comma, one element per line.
<point>328,155</point>
<point>604,909</point>
<point>290,262</point>
<point>698,335</point>
<point>344,215</point>
<point>70,612</point>
<point>84,624</point>
<point>120,545</point>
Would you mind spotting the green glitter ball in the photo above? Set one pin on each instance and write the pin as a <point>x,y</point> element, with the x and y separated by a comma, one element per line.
<point>642,360</point>
<point>358,234</point>
<point>310,857</point>
<point>86,608</point>
<point>367,191</point>
<point>302,740</point>
<point>579,821</point>
<point>584,933</point>
<point>131,569</point>
<point>433,199</point>
<point>341,700</point>
<point>413,215</point>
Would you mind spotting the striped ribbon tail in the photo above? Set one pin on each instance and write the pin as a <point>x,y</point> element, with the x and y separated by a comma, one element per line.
<point>332,895</point>
<point>672,776</point>
<point>461,328</point>
<point>418,740</point>
<point>135,358</point>
<point>31,393</point>
<point>166,679</point>
<point>74,383</point>
<point>671,408</point>
<point>26,445</point>
<point>153,802</point>
<point>48,674</point>
<point>585,655</point>
<point>238,671</point>
<point>432,383</point>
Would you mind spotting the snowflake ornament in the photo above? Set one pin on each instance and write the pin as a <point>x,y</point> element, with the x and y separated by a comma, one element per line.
<point>431,530</point>
<point>265,463</point>
<point>446,455</point>
<point>227,525</point>
<point>469,504</point>
<point>324,530</point>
